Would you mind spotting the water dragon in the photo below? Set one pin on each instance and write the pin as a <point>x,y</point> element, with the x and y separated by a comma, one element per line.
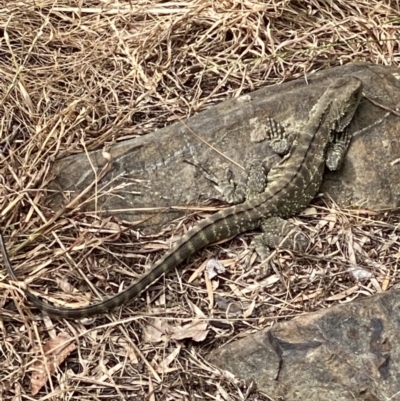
<point>289,187</point>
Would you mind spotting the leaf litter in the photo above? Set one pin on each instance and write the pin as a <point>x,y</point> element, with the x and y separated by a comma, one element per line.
<point>78,77</point>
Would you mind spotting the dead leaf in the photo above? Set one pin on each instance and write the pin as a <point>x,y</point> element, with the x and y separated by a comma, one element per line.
<point>328,219</point>
<point>359,273</point>
<point>130,351</point>
<point>343,294</point>
<point>197,311</point>
<point>156,330</point>
<point>195,330</point>
<point>163,367</point>
<point>231,308</point>
<point>248,312</point>
<point>214,268</point>
<point>197,272</point>
<point>310,211</point>
<point>56,351</point>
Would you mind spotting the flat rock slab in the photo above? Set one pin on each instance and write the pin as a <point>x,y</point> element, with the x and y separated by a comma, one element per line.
<point>157,171</point>
<point>347,352</point>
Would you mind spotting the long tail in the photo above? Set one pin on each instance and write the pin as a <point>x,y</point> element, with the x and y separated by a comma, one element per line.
<point>212,229</point>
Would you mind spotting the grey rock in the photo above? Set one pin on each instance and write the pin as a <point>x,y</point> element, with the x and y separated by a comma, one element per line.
<point>347,352</point>
<point>157,171</point>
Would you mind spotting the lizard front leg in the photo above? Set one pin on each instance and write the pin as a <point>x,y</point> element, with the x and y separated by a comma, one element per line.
<point>337,150</point>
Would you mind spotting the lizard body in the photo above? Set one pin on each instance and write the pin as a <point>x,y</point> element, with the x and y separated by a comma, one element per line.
<point>292,184</point>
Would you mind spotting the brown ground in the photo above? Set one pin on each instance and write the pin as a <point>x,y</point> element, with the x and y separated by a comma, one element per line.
<point>74,78</point>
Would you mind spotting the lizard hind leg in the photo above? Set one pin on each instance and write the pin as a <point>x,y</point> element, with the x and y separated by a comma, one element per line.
<point>257,169</point>
<point>254,183</point>
<point>255,180</point>
<point>233,192</point>
<point>278,232</point>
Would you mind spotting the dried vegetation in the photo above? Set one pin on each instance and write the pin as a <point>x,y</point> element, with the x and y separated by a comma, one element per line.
<point>78,75</point>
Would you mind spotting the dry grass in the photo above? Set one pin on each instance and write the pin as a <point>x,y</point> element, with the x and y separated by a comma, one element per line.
<point>76,77</point>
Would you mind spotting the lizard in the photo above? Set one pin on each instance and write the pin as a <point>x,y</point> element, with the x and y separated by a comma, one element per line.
<point>287,190</point>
